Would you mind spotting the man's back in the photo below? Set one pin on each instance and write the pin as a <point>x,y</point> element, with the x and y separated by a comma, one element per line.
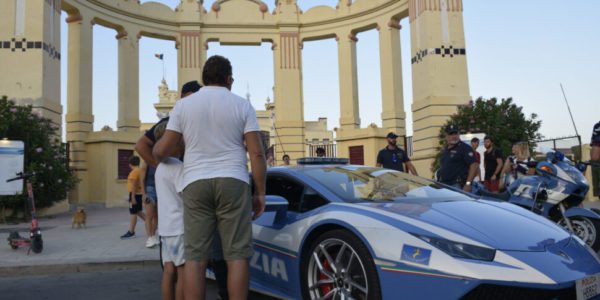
<point>213,122</point>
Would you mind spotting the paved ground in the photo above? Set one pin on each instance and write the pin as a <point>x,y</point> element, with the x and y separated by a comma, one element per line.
<point>90,263</point>
<point>68,248</point>
<point>101,285</point>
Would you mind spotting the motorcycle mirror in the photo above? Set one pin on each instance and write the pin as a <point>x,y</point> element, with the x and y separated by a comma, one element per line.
<point>559,156</point>
<point>581,167</point>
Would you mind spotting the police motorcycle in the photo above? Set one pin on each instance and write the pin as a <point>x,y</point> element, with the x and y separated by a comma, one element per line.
<point>556,191</point>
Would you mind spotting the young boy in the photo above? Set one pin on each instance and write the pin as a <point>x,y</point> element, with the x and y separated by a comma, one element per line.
<point>134,187</point>
<point>170,224</point>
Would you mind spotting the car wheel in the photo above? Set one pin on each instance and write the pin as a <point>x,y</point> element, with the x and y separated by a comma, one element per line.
<point>339,266</point>
<point>588,230</point>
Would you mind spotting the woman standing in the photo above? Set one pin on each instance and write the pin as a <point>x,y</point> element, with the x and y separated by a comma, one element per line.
<point>517,165</point>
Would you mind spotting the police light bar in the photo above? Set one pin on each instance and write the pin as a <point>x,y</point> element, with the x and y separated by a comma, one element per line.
<point>322,161</point>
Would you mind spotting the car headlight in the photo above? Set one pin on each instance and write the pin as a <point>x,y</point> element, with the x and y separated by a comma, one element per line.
<point>460,250</point>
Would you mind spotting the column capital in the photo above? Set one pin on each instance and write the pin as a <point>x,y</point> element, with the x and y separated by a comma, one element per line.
<point>74,18</point>
<point>394,24</point>
<point>121,34</point>
<point>351,37</point>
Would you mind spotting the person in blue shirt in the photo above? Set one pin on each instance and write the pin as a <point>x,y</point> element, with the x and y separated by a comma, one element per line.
<point>393,157</point>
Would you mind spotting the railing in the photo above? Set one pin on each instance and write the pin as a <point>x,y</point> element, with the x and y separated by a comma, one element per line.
<point>330,149</point>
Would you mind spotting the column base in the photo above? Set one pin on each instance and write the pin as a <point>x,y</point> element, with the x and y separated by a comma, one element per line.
<point>80,194</point>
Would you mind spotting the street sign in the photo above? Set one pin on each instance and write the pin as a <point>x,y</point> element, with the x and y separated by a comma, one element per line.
<point>12,159</point>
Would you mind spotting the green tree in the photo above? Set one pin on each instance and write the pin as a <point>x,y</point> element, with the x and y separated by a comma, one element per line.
<point>503,120</point>
<point>44,154</point>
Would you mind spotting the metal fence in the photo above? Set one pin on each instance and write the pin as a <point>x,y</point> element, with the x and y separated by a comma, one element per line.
<point>330,149</point>
<point>570,146</point>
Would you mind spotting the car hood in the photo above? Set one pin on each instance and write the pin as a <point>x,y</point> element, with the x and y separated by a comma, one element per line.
<point>500,225</point>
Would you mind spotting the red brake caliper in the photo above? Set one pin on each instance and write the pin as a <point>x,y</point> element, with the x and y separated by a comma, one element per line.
<point>325,288</point>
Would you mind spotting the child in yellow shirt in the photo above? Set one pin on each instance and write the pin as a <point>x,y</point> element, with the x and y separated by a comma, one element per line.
<point>134,187</point>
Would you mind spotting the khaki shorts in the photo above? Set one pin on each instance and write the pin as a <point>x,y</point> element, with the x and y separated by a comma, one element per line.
<point>224,204</point>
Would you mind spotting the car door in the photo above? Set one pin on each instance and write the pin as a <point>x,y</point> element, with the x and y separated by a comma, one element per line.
<point>274,265</point>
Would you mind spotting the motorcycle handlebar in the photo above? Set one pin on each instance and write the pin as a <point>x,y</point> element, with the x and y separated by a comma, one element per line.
<point>530,164</point>
<point>21,175</point>
<point>591,163</point>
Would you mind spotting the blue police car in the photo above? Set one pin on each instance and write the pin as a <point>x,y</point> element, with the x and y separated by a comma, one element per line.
<point>338,231</point>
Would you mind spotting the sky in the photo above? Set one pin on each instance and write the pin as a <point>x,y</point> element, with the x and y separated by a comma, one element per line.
<point>519,49</point>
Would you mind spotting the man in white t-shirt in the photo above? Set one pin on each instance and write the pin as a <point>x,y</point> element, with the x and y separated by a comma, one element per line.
<point>217,127</point>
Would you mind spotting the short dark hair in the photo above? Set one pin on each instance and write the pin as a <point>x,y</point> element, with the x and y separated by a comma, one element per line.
<point>475,139</point>
<point>285,155</point>
<point>489,137</point>
<point>134,160</point>
<point>216,70</point>
<point>320,150</point>
<point>190,87</point>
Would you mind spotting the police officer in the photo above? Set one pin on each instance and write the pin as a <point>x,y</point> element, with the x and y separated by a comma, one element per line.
<point>392,157</point>
<point>596,158</point>
<point>458,166</point>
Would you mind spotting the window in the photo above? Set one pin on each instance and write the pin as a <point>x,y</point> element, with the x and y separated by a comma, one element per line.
<point>357,156</point>
<point>123,163</point>
<point>300,198</point>
<point>290,190</point>
<point>311,200</point>
<point>380,185</point>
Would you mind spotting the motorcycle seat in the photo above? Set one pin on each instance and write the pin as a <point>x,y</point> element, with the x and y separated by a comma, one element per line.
<point>504,196</point>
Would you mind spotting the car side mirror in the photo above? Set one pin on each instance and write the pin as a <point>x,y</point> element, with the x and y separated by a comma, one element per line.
<point>277,204</point>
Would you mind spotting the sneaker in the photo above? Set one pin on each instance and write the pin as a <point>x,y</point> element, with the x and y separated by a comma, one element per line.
<point>151,242</point>
<point>156,241</point>
<point>128,235</point>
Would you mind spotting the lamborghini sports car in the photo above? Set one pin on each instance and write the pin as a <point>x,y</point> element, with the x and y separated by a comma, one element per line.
<point>338,231</point>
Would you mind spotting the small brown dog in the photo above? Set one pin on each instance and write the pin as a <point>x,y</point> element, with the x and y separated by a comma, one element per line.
<point>79,218</point>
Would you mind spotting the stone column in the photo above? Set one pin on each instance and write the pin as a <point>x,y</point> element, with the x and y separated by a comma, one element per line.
<point>392,114</point>
<point>289,107</point>
<point>191,54</point>
<point>79,116</point>
<point>129,102</point>
<point>30,55</point>
<point>349,110</point>
<point>439,70</point>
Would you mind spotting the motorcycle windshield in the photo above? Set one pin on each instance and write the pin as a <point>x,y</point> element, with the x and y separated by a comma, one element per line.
<point>571,173</point>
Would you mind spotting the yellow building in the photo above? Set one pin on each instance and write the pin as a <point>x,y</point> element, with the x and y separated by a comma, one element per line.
<point>30,55</point>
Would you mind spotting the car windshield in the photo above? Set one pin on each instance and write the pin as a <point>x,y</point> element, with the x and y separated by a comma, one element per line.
<point>380,185</point>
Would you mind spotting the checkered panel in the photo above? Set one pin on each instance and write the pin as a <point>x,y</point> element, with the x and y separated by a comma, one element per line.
<point>443,51</point>
<point>23,45</point>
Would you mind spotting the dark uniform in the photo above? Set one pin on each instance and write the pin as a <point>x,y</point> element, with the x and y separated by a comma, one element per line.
<point>392,159</point>
<point>455,164</point>
<point>596,135</point>
<point>596,169</point>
